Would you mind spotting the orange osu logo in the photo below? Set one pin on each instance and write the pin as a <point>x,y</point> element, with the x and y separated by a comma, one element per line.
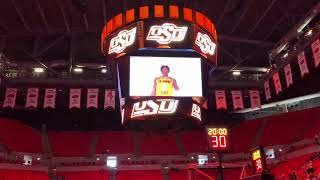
<point>205,43</point>
<point>124,39</point>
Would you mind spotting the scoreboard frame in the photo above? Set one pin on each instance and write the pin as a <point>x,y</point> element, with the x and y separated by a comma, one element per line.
<point>219,134</point>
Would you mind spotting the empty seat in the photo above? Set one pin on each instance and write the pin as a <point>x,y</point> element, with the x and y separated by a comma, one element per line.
<point>18,137</point>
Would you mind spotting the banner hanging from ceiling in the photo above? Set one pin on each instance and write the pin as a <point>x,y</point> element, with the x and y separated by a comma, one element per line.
<point>50,98</point>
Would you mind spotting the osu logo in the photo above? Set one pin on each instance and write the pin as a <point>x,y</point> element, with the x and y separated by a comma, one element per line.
<point>196,111</point>
<point>124,39</point>
<point>167,33</point>
<point>75,96</point>
<point>49,96</point>
<point>153,107</point>
<point>32,95</point>
<point>205,44</point>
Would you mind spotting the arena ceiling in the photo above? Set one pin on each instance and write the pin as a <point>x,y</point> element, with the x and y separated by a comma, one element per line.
<point>60,34</point>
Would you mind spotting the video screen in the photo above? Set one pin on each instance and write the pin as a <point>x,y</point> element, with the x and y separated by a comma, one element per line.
<point>165,76</point>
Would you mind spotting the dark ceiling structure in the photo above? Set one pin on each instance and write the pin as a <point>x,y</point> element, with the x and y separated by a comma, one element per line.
<point>62,34</point>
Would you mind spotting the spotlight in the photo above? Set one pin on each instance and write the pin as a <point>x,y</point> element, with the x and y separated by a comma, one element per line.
<point>103,71</point>
<point>129,158</point>
<point>112,161</point>
<point>236,73</point>
<point>38,70</point>
<point>78,70</point>
<point>280,150</point>
<point>38,159</point>
<point>285,55</point>
<point>202,159</point>
<point>98,159</point>
<point>309,32</point>
<point>192,157</point>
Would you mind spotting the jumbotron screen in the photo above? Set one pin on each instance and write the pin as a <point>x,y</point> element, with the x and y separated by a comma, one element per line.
<point>165,76</point>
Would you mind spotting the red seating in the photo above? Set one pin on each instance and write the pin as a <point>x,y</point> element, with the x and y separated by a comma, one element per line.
<point>242,135</point>
<point>117,142</point>
<point>194,141</point>
<point>282,129</point>
<point>231,174</point>
<point>210,172</point>
<point>18,137</point>
<point>312,116</point>
<point>139,175</point>
<point>84,175</point>
<point>181,174</point>
<point>158,145</point>
<point>286,167</point>
<point>69,143</point>
<point>290,127</point>
<point>22,175</point>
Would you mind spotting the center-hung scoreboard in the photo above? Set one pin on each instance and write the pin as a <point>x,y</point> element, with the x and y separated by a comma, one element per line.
<point>162,55</point>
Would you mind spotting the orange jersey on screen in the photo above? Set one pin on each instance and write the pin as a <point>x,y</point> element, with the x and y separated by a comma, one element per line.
<point>164,86</point>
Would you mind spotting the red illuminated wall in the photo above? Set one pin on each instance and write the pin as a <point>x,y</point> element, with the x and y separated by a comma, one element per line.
<point>139,175</point>
<point>89,175</point>
<point>22,175</point>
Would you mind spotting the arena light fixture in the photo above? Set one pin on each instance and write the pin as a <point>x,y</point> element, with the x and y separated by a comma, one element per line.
<point>236,73</point>
<point>202,159</point>
<point>103,71</point>
<point>112,161</point>
<point>78,70</point>
<point>38,70</point>
<point>309,32</point>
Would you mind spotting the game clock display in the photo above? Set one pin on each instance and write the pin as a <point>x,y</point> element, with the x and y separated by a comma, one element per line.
<point>218,138</point>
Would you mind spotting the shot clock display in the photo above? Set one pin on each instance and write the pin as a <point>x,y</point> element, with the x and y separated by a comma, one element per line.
<point>218,138</point>
<point>258,160</point>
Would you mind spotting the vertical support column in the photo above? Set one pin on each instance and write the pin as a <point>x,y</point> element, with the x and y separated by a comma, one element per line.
<point>180,145</point>
<point>2,46</point>
<point>113,174</point>
<point>257,137</point>
<point>92,146</point>
<point>47,151</point>
<point>137,144</point>
<point>190,174</point>
<point>71,56</point>
<point>45,142</point>
<point>220,168</point>
<point>165,174</point>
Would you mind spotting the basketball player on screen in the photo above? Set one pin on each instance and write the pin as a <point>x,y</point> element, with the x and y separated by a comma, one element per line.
<point>164,85</point>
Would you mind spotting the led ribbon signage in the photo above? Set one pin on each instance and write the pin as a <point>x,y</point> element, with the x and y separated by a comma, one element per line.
<point>167,33</point>
<point>124,39</point>
<point>154,107</point>
<point>196,112</point>
<point>205,43</point>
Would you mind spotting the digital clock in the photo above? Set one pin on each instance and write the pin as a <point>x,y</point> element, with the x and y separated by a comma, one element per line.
<point>218,138</point>
<point>258,160</point>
